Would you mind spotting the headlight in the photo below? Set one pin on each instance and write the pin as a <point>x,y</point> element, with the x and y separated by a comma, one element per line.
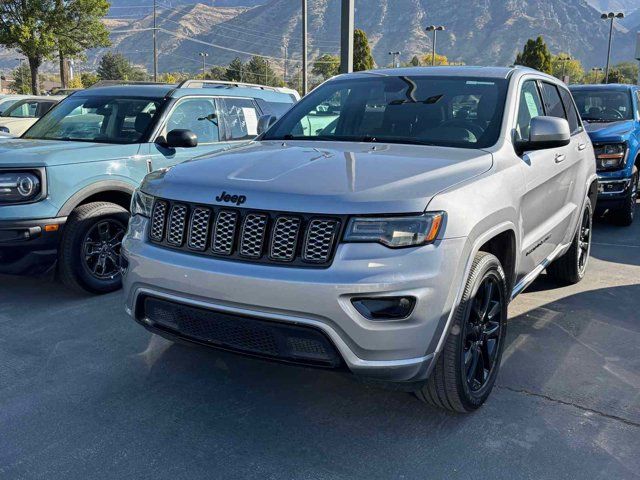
<point>141,204</point>
<point>18,187</point>
<point>395,232</point>
<point>610,156</point>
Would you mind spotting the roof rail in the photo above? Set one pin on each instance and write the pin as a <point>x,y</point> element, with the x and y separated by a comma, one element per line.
<point>111,83</point>
<point>221,83</point>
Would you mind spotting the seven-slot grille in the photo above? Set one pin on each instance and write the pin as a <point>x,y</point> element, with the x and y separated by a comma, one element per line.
<point>259,236</point>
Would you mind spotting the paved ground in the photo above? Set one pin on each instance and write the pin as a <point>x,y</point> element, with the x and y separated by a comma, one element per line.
<point>87,394</point>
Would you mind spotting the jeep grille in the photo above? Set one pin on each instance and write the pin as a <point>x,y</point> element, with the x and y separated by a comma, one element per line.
<point>247,235</point>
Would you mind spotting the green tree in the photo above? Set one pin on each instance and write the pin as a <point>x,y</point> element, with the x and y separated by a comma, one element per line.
<point>535,55</point>
<point>21,80</point>
<point>217,72</point>
<point>326,66</point>
<point>362,58</point>
<point>88,79</point>
<point>115,66</point>
<point>79,27</point>
<point>571,68</point>
<point>235,71</point>
<point>415,61</point>
<point>258,70</point>
<point>629,70</point>
<point>28,27</point>
<point>616,76</point>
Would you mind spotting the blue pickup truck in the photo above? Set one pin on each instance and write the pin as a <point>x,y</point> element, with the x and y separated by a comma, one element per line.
<point>66,183</point>
<point>611,114</point>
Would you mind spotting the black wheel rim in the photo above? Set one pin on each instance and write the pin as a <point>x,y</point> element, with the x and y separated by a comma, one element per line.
<point>584,241</point>
<point>101,249</point>
<point>483,334</point>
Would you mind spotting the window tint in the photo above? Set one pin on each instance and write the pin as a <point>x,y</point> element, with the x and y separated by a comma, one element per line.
<point>552,101</point>
<point>241,118</point>
<point>530,106</point>
<point>572,114</point>
<point>603,105</point>
<point>445,111</point>
<point>198,115</point>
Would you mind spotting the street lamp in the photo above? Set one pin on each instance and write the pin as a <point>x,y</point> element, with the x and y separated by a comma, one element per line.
<point>434,29</point>
<point>395,58</point>
<point>204,56</point>
<point>564,61</point>
<point>596,71</point>
<point>611,16</point>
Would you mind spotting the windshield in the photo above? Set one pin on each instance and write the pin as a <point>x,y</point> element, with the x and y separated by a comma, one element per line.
<point>426,110</point>
<point>102,119</point>
<point>603,105</point>
<point>28,109</point>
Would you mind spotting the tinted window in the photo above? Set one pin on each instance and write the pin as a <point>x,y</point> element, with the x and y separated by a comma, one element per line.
<point>529,106</point>
<point>198,115</point>
<point>28,109</point>
<point>603,105</point>
<point>102,119</point>
<point>552,101</point>
<point>572,114</point>
<point>445,111</point>
<point>241,118</point>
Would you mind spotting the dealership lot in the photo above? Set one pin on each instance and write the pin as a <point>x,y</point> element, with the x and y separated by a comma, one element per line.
<point>87,393</point>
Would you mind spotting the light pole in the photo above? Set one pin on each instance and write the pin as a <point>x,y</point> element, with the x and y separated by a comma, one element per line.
<point>434,29</point>
<point>204,56</point>
<point>611,16</point>
<point>596,71</point>
<point>395,56</point>
<point>305,66</point>
<point>564,61</point>
<point>155,45</point>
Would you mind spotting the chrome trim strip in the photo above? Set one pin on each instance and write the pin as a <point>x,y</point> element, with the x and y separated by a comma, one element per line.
<point>533,274</point>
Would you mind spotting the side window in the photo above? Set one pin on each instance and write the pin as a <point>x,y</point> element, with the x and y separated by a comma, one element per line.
<point>198,115</point>
<point>638,103</point>
<point>530,106</point>
<point>572,114</point>
<point>241,118</point>
<point>552,101</point>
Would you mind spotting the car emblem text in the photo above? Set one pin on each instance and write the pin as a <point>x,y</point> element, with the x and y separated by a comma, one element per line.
<point>228,198</point>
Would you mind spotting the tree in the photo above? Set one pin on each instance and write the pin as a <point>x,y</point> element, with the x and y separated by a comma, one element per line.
<point>88,79</point>
<point>235,71</point>
<point>362,59</point>
<point>21,82</point>
<point>326,66</point>
<point>217,72</point>
<point>440,59</point>
<point>615,76</point>
<point>258,70</point>
<point>572,68</point>
<point>29,27</point>
<point>535,55</point>
<point>75,82</point>
<point>628,70</point>
<point>415,61</point>
<point>115,66</point>
<point>78,27</point>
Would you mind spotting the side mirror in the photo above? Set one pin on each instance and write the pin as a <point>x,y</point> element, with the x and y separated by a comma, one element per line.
<point>546,132</point>
<point>265,122</point>
<point>179,138</point>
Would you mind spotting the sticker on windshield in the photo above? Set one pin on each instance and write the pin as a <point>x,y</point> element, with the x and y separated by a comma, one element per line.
<point>531,105</point>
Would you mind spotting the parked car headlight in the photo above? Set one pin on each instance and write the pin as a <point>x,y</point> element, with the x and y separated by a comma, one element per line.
<point>395,232</point>
<point>141,204</point>
<point>19,186</point>
<point>4,129</point>
<point>610,156</point>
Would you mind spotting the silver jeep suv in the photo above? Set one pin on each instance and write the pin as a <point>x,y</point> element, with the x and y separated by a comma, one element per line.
<point>382,226</point>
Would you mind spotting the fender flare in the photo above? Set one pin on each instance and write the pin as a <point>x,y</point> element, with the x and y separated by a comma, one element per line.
<point>98,187</point>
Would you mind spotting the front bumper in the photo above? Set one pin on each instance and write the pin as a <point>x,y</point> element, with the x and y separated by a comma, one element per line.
<point>400,350</point>
<point>613,192</point>
<point>26,247</point>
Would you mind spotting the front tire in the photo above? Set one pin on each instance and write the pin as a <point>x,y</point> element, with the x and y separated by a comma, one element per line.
<point>89,258</point>
<point>571,267</point>
<point>466,370</point>
<point>626,214</point>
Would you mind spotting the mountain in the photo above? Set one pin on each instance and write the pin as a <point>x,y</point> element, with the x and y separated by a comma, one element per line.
<point>626,6</point>
<point>477,31</point>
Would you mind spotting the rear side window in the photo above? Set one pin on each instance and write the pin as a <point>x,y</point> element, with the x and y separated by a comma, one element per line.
<point>241,118</point>
<point>552,101</point>
<point>572,113</point>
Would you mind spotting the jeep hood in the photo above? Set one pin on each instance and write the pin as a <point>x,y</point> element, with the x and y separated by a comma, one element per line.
<point>316,177</point>
<point>17,152</point>
<point>609,131</point>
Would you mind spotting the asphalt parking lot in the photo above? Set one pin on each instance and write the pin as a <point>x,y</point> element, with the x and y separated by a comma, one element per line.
<point>87,394</point>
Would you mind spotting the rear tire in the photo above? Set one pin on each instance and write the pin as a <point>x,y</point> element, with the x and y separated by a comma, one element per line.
<point>466,370</point>
<point>626,214</point>
<point>571,267</point>
<point>89,258</point>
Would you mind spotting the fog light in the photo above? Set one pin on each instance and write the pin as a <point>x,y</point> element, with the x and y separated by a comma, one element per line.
<point>384,308</point>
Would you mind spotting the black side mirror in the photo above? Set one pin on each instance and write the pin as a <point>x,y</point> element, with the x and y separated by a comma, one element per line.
<point>179,138</point>
<point>265,122</point>
<point>545,132</point>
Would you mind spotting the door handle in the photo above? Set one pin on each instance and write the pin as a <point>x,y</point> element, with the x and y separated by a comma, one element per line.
<point>560,157</point>
<point>582,146</point>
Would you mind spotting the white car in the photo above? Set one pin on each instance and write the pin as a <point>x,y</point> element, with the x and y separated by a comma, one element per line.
<point>17,118</point>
